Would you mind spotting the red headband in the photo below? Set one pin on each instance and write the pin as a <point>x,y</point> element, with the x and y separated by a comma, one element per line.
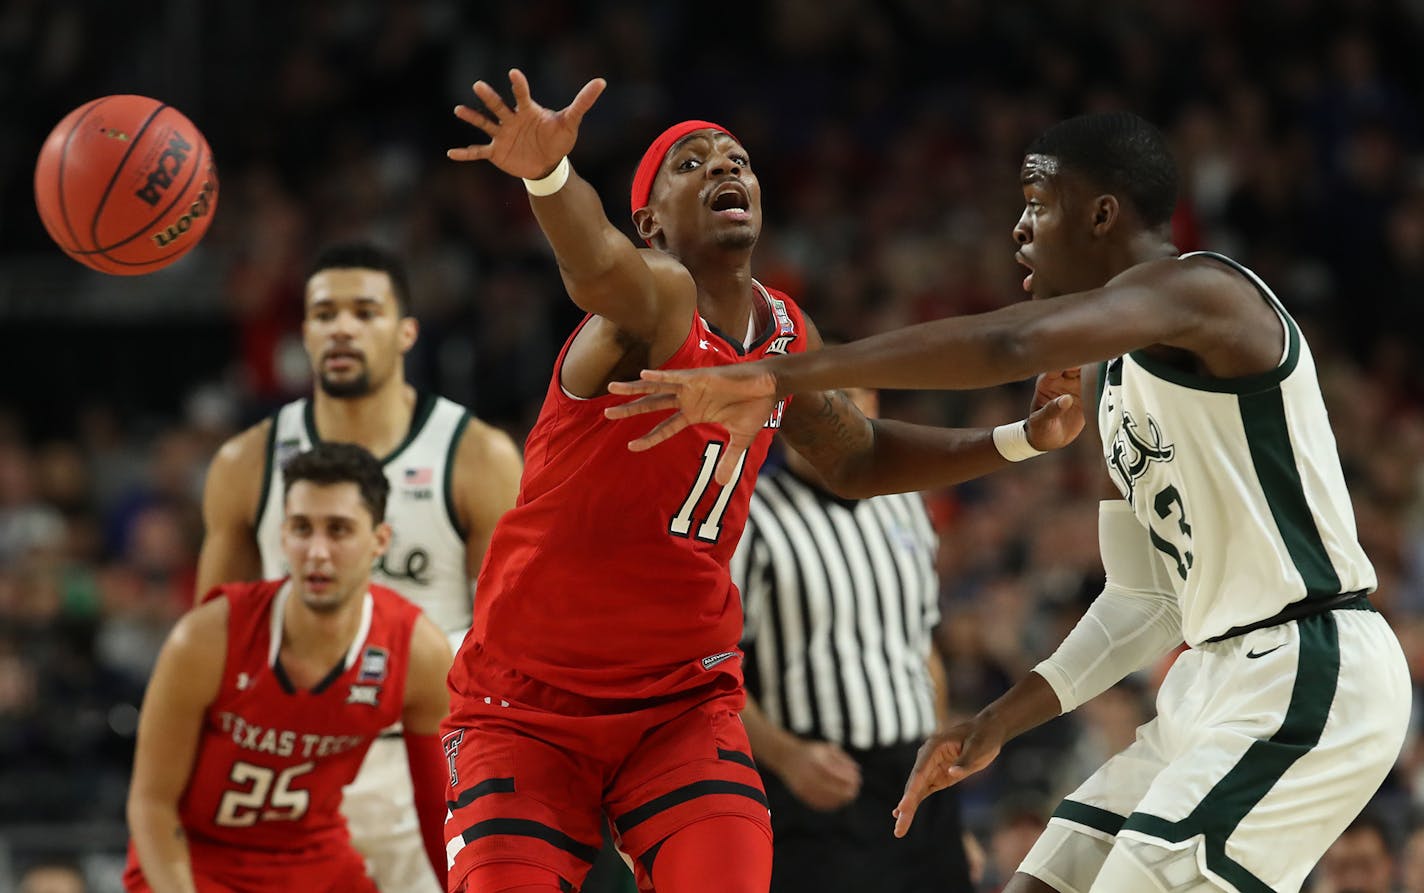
<point>653,158</point>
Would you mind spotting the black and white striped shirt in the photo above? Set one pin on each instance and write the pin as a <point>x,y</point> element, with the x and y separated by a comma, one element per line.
<point>840,598</point>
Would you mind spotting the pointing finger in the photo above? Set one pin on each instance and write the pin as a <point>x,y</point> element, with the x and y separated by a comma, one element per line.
<point>667,376</point>
<point>650,403</point>
<point>585,99</point>
<point>660,432</point>
<point>492,100</point>
<point>519,84</point>
<point>731,462</point>
<point>631,388</point>
<point>477,118</point>
<point>469,153</point>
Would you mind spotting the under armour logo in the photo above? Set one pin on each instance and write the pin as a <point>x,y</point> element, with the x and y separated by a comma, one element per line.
<point>713,660</point>
<point>244,681</point>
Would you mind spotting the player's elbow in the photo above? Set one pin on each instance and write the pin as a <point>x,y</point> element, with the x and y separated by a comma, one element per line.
<point>851,476</point>
<point>1012,351</point>
<point>141,808</point>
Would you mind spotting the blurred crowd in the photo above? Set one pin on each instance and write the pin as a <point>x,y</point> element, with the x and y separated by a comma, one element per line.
<point>886,136</point>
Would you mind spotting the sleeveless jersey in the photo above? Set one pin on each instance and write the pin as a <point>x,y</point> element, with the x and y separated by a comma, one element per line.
<point>426,558</point>
<point>272,760</point>
<point>609,576</point>
<point>1237,481</point>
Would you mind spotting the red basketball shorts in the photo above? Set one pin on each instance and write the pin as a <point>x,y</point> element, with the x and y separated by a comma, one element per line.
<point>534,771</point>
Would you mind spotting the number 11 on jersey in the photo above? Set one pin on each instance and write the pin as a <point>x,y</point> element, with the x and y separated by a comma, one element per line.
<point>711,527</point>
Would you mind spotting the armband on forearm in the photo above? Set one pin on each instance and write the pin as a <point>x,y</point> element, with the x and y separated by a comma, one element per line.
<point>1136,620</point>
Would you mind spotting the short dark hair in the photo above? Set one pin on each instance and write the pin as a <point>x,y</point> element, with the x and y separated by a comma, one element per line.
<point>1120,152</point>
<point>339,463</point>
<point>367,256</point>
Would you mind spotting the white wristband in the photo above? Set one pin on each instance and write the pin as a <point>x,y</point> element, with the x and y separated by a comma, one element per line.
<point>553,182</point>
<point>1011,440</point>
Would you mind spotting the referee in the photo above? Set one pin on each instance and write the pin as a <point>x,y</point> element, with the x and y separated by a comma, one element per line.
<point>841,598</point>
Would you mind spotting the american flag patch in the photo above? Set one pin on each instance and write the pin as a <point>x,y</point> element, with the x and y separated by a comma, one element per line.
<point>415,477</point>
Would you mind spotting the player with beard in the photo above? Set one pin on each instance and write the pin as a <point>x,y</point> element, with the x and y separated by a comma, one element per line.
<point>451,477</point>
<point>601,678</point>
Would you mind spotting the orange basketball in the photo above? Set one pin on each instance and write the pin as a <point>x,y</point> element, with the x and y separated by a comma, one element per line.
<point>126,185</point>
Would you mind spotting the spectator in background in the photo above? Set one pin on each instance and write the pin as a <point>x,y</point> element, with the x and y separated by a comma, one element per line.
<point>1411,866</point>
<point>1361,860</point>
<point>53,877</point>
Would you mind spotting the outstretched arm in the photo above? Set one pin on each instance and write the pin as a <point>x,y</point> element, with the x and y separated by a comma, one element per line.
<point>861,457</point>
<point>644,293</point>
<point>1160,302</point>
<point>1192,306</point>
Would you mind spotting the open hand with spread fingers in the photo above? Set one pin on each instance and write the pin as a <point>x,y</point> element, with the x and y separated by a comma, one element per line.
<point>527,140</point>
<point>739,397</point>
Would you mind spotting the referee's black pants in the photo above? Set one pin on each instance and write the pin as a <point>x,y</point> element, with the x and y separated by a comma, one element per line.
<point>854,848</point>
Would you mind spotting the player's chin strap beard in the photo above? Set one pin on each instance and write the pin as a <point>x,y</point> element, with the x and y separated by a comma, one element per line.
<point>359,386</point>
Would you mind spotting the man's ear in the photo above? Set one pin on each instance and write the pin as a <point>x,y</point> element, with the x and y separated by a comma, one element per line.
<point>1106,211</point>
<point>646,224</point>
<point>408,329</point>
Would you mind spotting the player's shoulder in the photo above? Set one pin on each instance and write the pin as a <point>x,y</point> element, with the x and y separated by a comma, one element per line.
<point>244,451</point>
<point>201,634</point>
<point>391,604</point>
<point>482,443</point>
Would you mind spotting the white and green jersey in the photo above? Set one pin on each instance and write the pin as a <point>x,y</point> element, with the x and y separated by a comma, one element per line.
<point>1237,481</point>
<point>426,559</point>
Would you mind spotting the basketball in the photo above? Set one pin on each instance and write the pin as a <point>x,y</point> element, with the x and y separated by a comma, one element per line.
<point>126,185</point>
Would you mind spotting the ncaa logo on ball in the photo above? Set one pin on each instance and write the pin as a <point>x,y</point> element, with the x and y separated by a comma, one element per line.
<point>165,169</point>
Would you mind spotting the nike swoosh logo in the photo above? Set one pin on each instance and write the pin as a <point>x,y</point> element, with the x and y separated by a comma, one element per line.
<point>1266,652</point>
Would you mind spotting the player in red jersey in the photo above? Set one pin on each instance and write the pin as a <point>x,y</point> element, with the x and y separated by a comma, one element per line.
<point>602,676</point>
<point>266,698</point>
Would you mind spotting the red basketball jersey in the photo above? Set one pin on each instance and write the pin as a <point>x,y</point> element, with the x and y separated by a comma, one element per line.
<point>609,576</point>
<point>272,760</point>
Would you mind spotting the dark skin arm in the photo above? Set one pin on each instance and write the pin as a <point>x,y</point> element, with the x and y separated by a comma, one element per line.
<point>1198,309</point>
<point>958,751</point>
<point>643,301</point>
<point>231,495</point>
<point>861,457</point>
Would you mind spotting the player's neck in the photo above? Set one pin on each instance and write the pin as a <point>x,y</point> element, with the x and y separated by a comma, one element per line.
<point>1142,247</point>
<point>726,297</point>
<point>378,421</point>
<point>314,641</point>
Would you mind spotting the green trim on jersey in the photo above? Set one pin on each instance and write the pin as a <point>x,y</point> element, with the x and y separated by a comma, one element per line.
<point>1094,817</point>
<point>266,475</point>
<point>424,406</point>
<point>450,474</point>
<point>1263,416</point>
<point>1243,384</point>
<point>1264,762</point>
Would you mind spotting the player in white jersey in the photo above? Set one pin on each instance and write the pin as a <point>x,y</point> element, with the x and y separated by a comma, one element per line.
<point>451,477</point>
<point>1230,528</point>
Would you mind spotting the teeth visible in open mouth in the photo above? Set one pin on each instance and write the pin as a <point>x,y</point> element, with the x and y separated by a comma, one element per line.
<point>727,201</point>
